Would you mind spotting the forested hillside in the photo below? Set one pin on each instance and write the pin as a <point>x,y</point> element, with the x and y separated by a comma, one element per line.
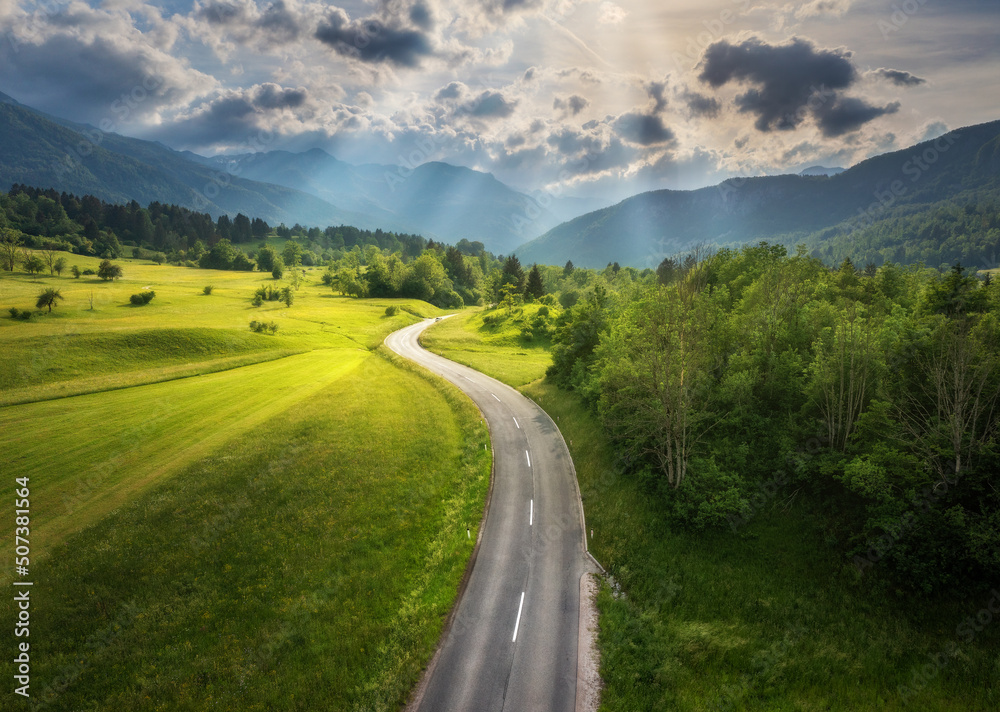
<point>957,171</point>
<point>756,375</point>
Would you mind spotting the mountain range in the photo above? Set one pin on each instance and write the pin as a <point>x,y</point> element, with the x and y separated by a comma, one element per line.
<point>451,203</point>
<point>437,200</point>
<point>640,231</point>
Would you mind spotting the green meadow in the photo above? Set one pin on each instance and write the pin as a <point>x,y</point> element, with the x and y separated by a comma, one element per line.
<point>768,618</point>
<point>498,350</point>
<point>226,519</point>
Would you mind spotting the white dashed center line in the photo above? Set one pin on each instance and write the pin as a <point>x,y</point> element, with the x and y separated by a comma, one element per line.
<point>518,621</point>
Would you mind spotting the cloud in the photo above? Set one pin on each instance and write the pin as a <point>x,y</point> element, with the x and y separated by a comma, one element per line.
<point>849,114</point>
<point>701,105</point>
<point>572,105</point>
<point>658,93</point>
<point>820,8</point>
<point>898,77</point>
<point>611,14</point>
<point>95,67</point>
<point>372,40</point>
<point>643,129</point>
<point>235,115</point>
<point>790,82</point>
<point>490,105</point>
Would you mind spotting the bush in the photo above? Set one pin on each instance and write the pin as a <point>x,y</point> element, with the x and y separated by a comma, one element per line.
<point>190,263</point>
<point>262,327</point>
<point>16,313</point>
<point>142,298</point>
<point>392,311</point>
<point>207,290</point>
<point>88,271</point>
<point>543,311</point>
<point>267,293</point>
<point>76,271</point>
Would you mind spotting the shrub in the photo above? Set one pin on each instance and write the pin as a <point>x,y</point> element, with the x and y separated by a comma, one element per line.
<point>190,263</point>
<point>76,271</point>
<point>543,311</point>
<point>88,271</point>
<point>392,311</point>
<point>142,298</point>
<point>14,312</point>
<point>257,300</point>
<point>262,327</point>
<point>207,290</point>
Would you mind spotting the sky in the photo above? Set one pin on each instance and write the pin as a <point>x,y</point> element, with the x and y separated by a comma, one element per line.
<point>601,98</point>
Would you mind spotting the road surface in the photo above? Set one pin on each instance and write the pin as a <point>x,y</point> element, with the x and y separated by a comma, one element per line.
<point>512,644</point>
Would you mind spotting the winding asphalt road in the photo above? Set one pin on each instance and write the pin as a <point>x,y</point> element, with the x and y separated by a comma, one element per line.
<point>512,644</point>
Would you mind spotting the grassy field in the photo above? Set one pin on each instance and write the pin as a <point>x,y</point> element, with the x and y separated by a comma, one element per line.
<point>222,519</point>
<point>766,619</point>
<point>499,350</point>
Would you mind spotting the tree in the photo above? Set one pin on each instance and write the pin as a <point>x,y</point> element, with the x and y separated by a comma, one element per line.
<point>50,255</point>
<point>34,264</point>
<point>568,268</point>
<point>59,265</point>
<point>48,299</point>
<point>509,298</point>
<point>656,380</point>
<point>512,273</point>
<point>667,271</point>
<point>277,268</point>
<point>287,296</point>
<point>75,271</point>
<point>535,287</point>
<point>265,258</point>
<point>10,248</point>
<point>108,270</point>
<point>844,373</point>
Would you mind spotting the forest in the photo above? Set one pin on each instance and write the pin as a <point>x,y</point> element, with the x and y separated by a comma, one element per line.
<point>751,377</point>
<point>963,230</point>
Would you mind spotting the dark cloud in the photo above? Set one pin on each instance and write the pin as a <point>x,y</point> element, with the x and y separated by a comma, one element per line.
<point>898,77</point>
<point>221,13</point>
<point>658,93</point>
<point>789,83</point>
<point>454,90</point>
<point>572,105</point>
<point>643,129</point>
<point>371,40</point>
<point>701,105</point>
<point>420,15</point>
<point>849,114</point>
<point>234,115</point>
<point>787,77</point>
